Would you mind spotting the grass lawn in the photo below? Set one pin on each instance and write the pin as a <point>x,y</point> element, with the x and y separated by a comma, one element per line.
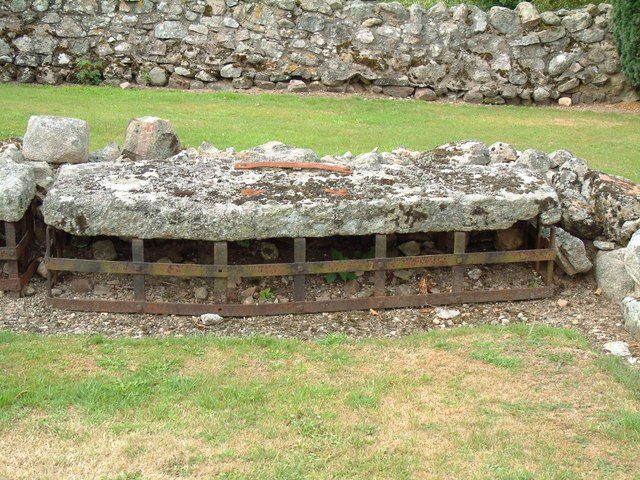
<point>609,141</point>
<point>484,403</point>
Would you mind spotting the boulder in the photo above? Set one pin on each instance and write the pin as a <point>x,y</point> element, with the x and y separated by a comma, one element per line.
<point>504,20</point>
<point>56,140</point>
<point>501,152</point>
<point>631,315</point>
<point>233,196</point>
<point>611,276</point>
<point>17,189</point>
<point>632,257</point>
<point>158,77</point>
<point>150,138</point>
<point>529,16</point>
<point>107,154</point>
<point>469,152</point>
<point>571,254</point>
<point>615,201</point>
<point>535,160</point>
<point>170,30</point>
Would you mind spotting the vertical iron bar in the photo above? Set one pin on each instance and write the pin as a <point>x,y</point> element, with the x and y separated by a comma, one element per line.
<point>380,276</point>
<point>299,256</point>
<point>11,241</point>
<point>221,258</point>
<point>137,255</point>
<point>538,240</point>
<point>552,244</point>
<point>459,245</point>
<point>47,255</point>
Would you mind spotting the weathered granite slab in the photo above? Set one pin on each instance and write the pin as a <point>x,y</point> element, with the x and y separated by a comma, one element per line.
<point>200,195</point>
<point>17,189</point>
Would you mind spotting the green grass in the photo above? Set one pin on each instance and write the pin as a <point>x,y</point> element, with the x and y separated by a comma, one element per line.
<point>608,141</point>
<point>478,403</point>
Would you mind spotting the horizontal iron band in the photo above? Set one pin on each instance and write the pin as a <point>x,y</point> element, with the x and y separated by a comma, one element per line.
<point>239,310</point>
<point>308,268</point>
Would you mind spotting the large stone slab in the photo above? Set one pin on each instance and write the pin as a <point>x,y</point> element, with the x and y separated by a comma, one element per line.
<point>17,189</point>
<point>56,140</point>
<point>201,195</point>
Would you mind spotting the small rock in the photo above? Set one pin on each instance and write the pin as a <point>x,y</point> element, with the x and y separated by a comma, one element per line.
<point>28,291</point>
<point>475,274</point>
<point>564,101</point>
<point>447,313</point>
<point>404,274</point>
<point>104,250</point>
<point>164,260</point>
<point>102,289</point>
<point>410,249</point>
<point>125,86</point>
<point>247,294</point>
<point>604,245</point>
<point>81,285</point>
<point>562,303</point>
<point>297,86</point>
<point>201,293</point>
<point>617,348</point>
<point>209,319</point>
<point>42,269</point>
<point>351,287</point>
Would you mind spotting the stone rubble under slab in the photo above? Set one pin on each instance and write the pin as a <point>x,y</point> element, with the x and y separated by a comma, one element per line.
<point>201,196</point>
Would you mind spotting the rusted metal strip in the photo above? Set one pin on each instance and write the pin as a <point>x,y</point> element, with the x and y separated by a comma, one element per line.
<point>299,279</point>
<point>220,259</point>
<point>294,166</point>
<point>459,245</point>
<point>239,310</point>
<point>11,242</point>
<point>552,243</point>
<point>17,252</point>
<point>381,274</point>
<point>137,255</point>
<point>309,268</point>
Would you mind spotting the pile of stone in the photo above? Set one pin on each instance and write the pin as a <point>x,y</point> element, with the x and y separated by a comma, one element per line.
<point>488,187</point>
<point>499,56</point>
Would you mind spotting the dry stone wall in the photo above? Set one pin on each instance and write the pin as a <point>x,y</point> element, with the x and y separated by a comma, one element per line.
<point>503,55</point>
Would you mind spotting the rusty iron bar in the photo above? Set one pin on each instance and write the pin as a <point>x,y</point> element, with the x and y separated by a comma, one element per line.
<point>137,255</point>
<point>550,263</point>
<point>308,268</point>
<point>299,269</point>
<point>241,310</point>
<point>380,275</point>
<point>459,246</point>
<point>221,259</point>
<point>15,252</point>
<point>299,279</point>
<point>294,166</point>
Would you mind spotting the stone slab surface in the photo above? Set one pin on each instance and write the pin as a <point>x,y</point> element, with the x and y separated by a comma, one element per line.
<point>17,189</point>
<point>200,195</point>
